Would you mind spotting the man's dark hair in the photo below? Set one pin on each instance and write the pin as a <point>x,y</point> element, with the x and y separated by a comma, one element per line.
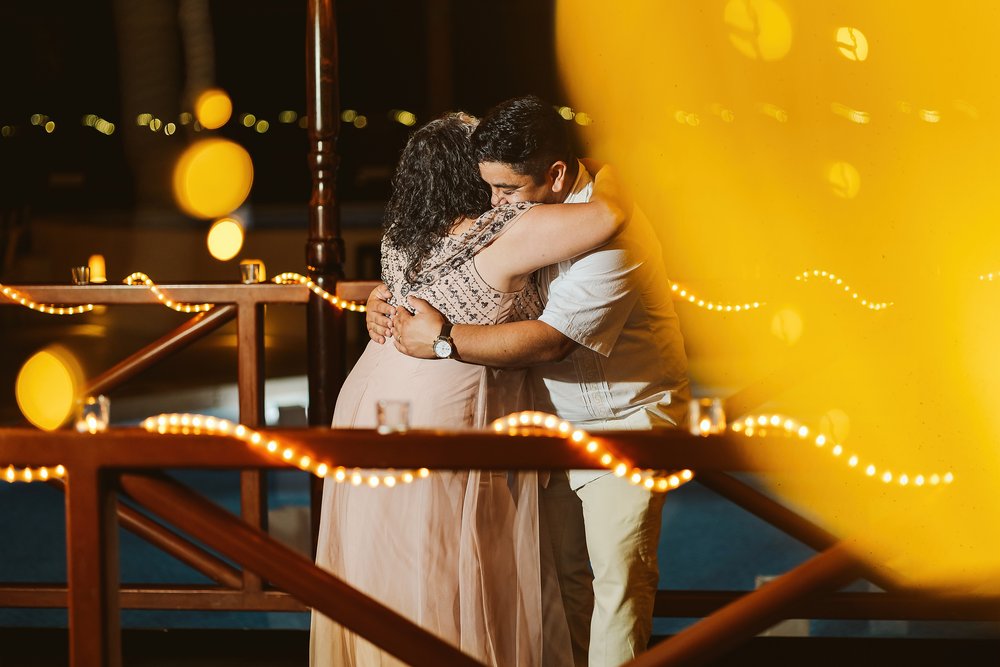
<point>525,133</point>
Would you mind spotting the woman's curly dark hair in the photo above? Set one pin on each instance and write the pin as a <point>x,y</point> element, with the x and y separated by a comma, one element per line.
<point>436,183</point>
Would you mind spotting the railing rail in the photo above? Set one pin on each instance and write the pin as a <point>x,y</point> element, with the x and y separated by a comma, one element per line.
<point>96,466</point>
<point>121,457</point>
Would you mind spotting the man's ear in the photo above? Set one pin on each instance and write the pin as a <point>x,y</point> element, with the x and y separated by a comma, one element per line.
<point>558,176</point>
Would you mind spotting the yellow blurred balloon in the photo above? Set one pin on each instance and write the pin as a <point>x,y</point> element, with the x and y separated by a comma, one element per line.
<point>213,108</point>
<point>878,169</point>
<point>47,387</point>
<point>212,178</point>
<point>225,238</point>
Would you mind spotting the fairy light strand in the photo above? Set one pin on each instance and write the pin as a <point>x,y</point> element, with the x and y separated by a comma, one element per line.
<point>530,422</point>
<point>805,276</point>
<point>141,278</point>
<point>191,424</point>
<point>290,278</point>
<point>12,474</point>
<point>49,309</point>
<point>762,425</point>
<point>516,424</point>
<point>685,294</point>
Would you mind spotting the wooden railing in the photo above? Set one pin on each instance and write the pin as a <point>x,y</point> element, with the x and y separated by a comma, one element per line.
<point>127,462</point>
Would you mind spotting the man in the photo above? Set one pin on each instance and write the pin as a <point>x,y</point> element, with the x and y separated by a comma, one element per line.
<point>606,354</point>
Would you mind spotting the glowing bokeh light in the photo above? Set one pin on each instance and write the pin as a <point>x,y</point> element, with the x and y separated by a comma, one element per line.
<point>882,171</point>
<point>47,387</point>
<point>844,179</point>
<point>213,108</point>
<point>759,29</point>
<point>852,44</point>
<point>98,273</point>
<point>225,239</point>
<point>787,326</point>
<point>212,178</point>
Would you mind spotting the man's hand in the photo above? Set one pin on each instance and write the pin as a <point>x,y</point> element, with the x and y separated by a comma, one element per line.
<point>378,314</point>
<point>415,334</point>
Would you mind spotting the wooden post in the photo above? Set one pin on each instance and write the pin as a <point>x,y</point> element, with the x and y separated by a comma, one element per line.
<point>92,568</point>
<point>326,331</point>
<point>250,371</point>
<point>324,249</point>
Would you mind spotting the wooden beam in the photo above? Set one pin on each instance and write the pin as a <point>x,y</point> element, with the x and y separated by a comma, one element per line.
<point>751,614</point>
<point>291,572</point>
<point>190,332</point>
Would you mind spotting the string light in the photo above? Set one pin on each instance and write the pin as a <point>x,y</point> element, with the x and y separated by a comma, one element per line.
<point>49,309</point>
<point>530,422</point>
<point>11,474</point>
<point>990,276</point>
<point>853,115</point>
<point>139,277</point>
<point>762,425</point>
<point>773,111</point>
<point>289,278</point>
<point>839,282</point>
<point>685,294</point>
<point>192,424</point>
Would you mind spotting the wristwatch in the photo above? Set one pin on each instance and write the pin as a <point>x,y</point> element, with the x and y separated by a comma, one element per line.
<point>444,346</point>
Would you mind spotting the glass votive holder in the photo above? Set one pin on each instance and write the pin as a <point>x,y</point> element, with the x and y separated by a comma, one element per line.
<point>93,414</point>
<point>81,275</point>
<point>706,416</point>
<point>392,416</point>
<point>252,271</point>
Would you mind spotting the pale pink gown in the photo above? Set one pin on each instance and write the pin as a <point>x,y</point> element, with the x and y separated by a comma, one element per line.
<point>459,552</point>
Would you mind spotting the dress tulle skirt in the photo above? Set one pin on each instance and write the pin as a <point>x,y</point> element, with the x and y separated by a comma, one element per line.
<point>462,554</point>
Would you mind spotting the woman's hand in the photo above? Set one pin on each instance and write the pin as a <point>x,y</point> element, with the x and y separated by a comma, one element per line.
<point>378,314</point>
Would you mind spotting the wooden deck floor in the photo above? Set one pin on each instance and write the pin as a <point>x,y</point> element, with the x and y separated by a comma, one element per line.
<point>290,648</point>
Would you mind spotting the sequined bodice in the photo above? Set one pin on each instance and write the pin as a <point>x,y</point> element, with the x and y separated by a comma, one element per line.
<point>449,281</point>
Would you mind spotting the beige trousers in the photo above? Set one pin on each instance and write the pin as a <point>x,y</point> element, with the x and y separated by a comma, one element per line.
<point>617,525</point>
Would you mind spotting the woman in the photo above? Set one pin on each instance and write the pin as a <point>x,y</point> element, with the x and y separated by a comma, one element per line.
<point>457,553</point>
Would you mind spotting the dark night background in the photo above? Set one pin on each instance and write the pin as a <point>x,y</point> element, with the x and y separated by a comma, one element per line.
<point>66,59</point>
<point>74,192</point>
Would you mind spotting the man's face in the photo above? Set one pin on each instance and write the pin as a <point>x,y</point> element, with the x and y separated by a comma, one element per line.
<point>509,187</point>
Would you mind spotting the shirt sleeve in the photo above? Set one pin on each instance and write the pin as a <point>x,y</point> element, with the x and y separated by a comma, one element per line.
<point>591,300</point>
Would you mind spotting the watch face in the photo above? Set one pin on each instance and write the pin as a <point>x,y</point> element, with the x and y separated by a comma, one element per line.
<point>442,348</point>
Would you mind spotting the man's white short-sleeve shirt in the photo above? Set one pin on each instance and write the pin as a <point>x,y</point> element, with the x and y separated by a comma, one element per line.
<point>614,301</point>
